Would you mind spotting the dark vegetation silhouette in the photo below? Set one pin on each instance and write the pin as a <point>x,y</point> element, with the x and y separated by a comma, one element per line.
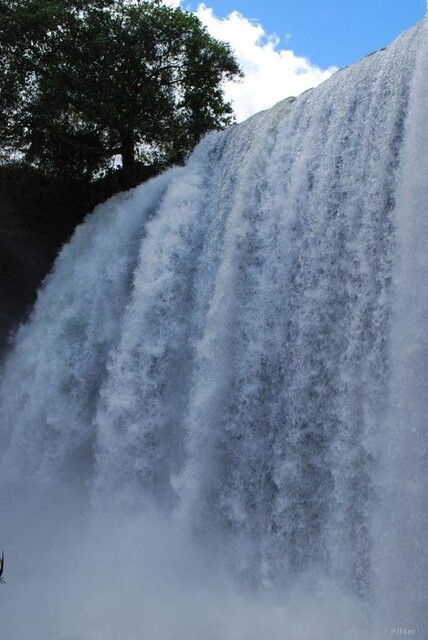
<point>87,83</point>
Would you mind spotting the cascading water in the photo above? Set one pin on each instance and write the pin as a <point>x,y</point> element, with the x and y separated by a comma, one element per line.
<point>240,348</point>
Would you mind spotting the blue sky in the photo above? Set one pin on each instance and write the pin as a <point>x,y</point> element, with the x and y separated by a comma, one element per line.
<point>329,32</point>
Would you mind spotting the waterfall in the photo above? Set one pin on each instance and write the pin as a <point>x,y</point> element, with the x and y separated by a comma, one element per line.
<point>233,358</point>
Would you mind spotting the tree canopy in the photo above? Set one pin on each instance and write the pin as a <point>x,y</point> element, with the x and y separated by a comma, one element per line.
<point>85,82</point>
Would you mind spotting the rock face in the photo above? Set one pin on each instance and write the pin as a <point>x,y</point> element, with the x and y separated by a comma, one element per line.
<point>37,215</point>
<point>24,261</point>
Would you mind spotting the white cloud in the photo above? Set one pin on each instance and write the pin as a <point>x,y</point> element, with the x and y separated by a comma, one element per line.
<point>271,72</point>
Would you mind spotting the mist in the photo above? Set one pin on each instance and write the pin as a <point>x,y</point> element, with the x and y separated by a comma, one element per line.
<point>75,573</point>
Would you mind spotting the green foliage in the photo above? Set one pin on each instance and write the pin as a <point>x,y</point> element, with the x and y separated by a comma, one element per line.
<point>83,82</point>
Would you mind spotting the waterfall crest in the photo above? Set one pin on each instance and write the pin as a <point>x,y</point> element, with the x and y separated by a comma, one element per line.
<point>240,343</point>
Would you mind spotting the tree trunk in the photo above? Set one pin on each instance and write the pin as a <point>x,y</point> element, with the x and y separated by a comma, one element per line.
<point>127,145</point>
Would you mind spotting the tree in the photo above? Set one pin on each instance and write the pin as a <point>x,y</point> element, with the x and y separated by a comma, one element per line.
<point>84,82</point>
